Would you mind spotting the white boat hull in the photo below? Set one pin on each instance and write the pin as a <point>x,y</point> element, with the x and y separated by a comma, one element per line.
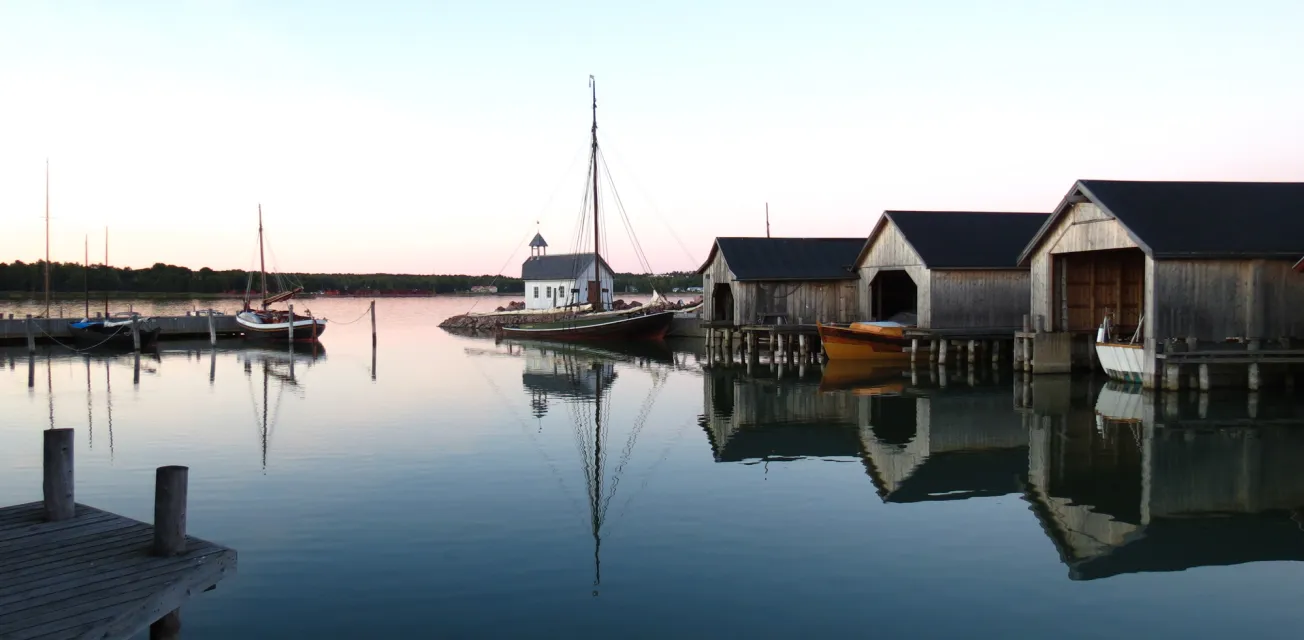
<point>304,329</point>
<point>1124,362</point>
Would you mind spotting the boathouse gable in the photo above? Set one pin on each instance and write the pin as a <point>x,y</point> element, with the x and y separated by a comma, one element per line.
<point>757,281</point>
<point>1188,262</point>
<point>951,269</point>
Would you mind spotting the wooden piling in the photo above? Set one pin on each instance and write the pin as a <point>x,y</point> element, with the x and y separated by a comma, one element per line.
<point>291,328</point>
<point>1252,371</point>
<point>941,356</point>
<point>166,628</point>
<point>212,330</point>
<point>135,374</point>
<point>373,322</point>
<point>58,481</point>
<point>914,350</point>
<point>31,335</point>
<point>1172,377</point>
<point>801,346</point>
<point>995,348</point>
<point>933,349</point>
<point>972,354</point>
<point>170,486</point>
<point>1204,377</point>
<point>135,332</point>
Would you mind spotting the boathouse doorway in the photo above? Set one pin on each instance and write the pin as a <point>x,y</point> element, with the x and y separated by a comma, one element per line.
<point>722,303</point>
<point>892,292</point>
<point>1089,284</point>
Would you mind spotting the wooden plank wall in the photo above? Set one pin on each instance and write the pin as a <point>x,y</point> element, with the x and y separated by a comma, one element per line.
<point>1219,299</point>
<point>891,251</point>
<point>1094,283</point>
<point>1084,227</point>
<point>717,273</point>
<point>975,298</point>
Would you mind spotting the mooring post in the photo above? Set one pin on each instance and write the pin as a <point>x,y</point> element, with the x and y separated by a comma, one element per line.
<point>135,333</point>
<point>803,349</point>
<point>1252,405</point>
<point>212,330</point>
<point>291,329</point>
<point>1204,405</point>
<point>58,482</point>
<point>941,356</point>
<point>995,347</point>
<point>31,335</point>
<point>914,349</point>
<point>170,510</point>
<point>373,322</point>
<point>941,376</point>
<point>1172,377</point>
<point>1204,377</point>
<point>933,350</point>
<point>972,355</point>
<point>31,370</point>
<point>166,628</point>
<point>135,375</point>
<point>212,365</point>
<point>1252,377</point>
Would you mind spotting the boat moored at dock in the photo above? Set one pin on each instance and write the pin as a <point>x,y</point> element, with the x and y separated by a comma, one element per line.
<point>884,340</point>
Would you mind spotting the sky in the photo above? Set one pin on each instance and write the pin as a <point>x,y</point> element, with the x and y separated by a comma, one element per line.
<point>437,137</point>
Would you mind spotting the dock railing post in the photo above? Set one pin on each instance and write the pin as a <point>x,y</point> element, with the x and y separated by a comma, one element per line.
<point>170,486</point>
<point>212,330</point>
<point>58,479</point>
<point>31,335</point>
<point>135,333</point>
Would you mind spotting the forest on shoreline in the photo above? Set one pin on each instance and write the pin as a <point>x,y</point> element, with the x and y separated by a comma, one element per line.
<point>68,277</point>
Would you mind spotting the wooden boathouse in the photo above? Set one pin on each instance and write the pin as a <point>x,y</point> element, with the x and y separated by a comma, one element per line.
<point>778,286</point>
<point>955,275</point>
<point>1201,273</point>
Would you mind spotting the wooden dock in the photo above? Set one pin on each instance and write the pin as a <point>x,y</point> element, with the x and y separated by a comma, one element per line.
<point>71,571</point>
<point>45,330</point>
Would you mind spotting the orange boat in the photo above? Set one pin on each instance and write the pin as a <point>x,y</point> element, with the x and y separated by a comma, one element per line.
<point>864,377</point>
<point>883,341</point>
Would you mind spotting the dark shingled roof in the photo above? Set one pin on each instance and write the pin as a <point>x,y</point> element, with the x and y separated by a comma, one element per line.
<point>1199,219</point>
<point>563,266</point>
<point>538,241</point>
<point>966,239</point>
<point>788,258</point>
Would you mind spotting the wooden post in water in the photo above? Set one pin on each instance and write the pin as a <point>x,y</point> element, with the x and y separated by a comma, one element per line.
<point>1252,377</point>
<point>314,326</point>
<point>1204,377</point>
<point>291,329</point>
<point>166,628</point>
<point>135,333</point>
<point>58,481</point>
<point>31,335</point>
<point>972,353</point>
<point>941,356</point>
<point>170,486</point>
<point>373,322</point>
<point>135,376</point>
<point>212,330</point>
<point>31,370</point>
<point>914,350</point>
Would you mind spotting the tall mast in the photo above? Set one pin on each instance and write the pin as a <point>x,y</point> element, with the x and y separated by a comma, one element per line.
<point>262,266</point>
<point>86,275</point>
<point>593,160</point>
<point>47,235</point>
<point>106,270</point>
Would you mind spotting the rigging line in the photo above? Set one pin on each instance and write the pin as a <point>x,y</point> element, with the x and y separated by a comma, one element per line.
<point>633,178</point>
<point>679,435</point>
<point>533,440</point>
<point>639,422</point>
<point>629,225</point>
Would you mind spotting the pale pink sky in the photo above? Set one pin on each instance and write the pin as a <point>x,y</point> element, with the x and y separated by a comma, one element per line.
<point>420,139</point>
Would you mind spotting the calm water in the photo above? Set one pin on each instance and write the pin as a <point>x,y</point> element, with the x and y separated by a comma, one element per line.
<point>455,487</point>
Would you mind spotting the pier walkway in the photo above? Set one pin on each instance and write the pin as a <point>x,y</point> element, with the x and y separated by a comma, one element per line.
<point>72,571</point>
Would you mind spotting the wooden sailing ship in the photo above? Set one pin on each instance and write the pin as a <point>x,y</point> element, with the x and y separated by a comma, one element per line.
<point>643,323</point>
<point>267,323</point>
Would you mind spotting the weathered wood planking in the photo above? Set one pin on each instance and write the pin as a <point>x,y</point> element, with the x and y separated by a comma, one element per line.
<point>891,251</point>
<point>760,301</point>
<point>93,576</point>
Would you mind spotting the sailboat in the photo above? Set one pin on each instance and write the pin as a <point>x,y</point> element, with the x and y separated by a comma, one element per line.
<point>112,332</point>
<point>645,323</point>
<point>273,324</point>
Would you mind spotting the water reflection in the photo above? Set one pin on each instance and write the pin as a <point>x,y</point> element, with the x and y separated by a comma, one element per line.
<point>1119,491</point>
<point>580,377</point>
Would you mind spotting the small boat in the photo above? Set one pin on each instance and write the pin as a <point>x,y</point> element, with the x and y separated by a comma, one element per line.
<point>1120,360</point>
<point>266,323</point>
<point>883,340</point>
<point>114,332</point>
<point>646,326</point>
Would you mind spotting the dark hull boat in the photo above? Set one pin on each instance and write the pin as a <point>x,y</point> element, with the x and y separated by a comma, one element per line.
<point>648,326</point>
<point>265,323</point>
<point>275,325</point>
<point>114,333</point>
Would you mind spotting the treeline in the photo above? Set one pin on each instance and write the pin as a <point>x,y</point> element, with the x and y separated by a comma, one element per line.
<point>68,277</point>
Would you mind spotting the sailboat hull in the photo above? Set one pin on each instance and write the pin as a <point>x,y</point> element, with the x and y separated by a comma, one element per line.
<point>650,326</point>
<point>115,334</point>
<point>257,327</point>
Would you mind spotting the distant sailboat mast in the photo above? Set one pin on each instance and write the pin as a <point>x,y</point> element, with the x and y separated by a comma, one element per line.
<point>106,270</point>
<point>262,265</point>
<point>47,237</point>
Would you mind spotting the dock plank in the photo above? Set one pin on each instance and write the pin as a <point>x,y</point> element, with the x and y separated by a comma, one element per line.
<point>93,576</point>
